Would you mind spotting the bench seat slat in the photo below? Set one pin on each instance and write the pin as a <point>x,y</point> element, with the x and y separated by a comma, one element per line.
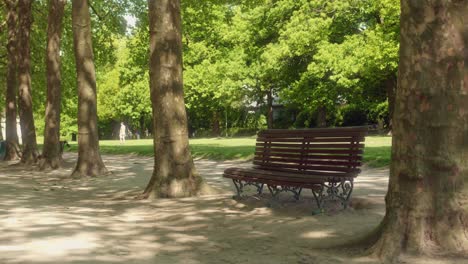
<point>296,159</point>
<point>275,181</point>
<point>339,134</point>
<point>340,130</point>
<point>313,140</point>
<point>306,172</point>
<point>307,167</point>
<point>256,173</point>
<point>262,155</point>
<point>314,151</point>
<point>301,145</point>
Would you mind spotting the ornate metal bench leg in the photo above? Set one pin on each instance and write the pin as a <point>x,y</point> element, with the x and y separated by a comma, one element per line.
<point>297,193</point>
<point>340,191</point>
<point>318,195</point>
<point>239,188</point>
<point>260,188</point>
<point>346,191</point>
<point>274,190</point>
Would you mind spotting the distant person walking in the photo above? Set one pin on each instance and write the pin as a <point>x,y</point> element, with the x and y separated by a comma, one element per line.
<point>122,133</point>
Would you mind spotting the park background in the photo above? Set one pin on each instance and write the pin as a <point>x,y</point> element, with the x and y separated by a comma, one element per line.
<point>248,65</point>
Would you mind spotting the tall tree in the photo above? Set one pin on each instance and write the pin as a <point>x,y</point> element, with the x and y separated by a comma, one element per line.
<point>1,127</point>
<point>11,133</point>
<point>174,173</point>
<point>51,154</point>
<point>89,159</point>
<point>28,130</point>
<point>426,203</point>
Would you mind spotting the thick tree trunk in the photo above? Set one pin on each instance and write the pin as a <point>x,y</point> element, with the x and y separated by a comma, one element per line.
<point>89,159</point>
<point>174,173</point>
<point>28,130</point>
<point>51,154</point>
<point>426,203</point>
<point>11,133</point>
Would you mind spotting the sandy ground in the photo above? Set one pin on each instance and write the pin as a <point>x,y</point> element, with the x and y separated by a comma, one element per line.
<point>46,217</point>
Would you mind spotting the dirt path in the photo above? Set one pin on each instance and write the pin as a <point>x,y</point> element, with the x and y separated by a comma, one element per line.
<point>49,218</point>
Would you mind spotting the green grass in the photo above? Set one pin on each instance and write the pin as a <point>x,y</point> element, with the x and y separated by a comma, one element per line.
<point>209,148</point>
<point>376,153</point>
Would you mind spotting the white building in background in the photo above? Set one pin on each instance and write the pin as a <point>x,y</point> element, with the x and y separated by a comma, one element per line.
<point>18,129</point>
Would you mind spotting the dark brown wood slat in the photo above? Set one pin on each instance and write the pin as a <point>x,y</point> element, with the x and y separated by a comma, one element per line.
<point>315,140</point>
<point>315,151</point>
<point>311,161</point>
<point>260,154</point>
<point>312,145</point>
<point>318,137</point>
<point>261,173</point>
<point>271,133</point>
<point>277,179</point>
<point>308,172</point>
<point>277,182</point>
<point>341,130</point>
<point>306,167</point>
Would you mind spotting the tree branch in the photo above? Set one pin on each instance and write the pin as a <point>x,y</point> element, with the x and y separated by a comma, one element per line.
<point>95,12</point>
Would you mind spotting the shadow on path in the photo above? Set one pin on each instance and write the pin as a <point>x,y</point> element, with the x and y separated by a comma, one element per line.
<point>46,217</point>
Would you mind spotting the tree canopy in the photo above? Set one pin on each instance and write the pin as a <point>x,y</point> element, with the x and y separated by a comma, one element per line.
<point>335,55</point>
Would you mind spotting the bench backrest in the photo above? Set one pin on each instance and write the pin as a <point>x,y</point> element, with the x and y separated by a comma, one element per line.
<point>323,151</point>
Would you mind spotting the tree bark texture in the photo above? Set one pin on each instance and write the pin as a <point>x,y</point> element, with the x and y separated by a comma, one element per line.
<point>51,154</point>
<point>89,159</point>
<point>28,130</point>
<point>174,173</point>
<point>11,133</point>
<point>427,199</point>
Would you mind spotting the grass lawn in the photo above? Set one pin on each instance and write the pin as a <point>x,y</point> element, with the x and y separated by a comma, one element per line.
<point>376,153</point>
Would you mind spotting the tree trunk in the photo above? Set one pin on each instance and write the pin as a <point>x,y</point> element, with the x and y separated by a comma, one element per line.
<point>142,125</point>
<point>390,86</point>
<point>426,203</point>
<point>1,127</point>
<point>322,116</point>
<point>270,108</point>
<point>28,130</point>
<point>174,173</point>
<point>89,159</point>
<point>11,133</point>
<point>51,154</point>
<point>215,128</point>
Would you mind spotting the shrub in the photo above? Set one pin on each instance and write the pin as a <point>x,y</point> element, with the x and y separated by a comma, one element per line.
<point>354,115</point>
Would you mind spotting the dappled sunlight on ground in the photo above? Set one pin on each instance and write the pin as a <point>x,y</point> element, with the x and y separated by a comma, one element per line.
<point>47,217</point>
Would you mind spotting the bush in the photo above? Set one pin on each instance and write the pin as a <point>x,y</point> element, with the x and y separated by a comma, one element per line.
<point>353,115</point>
<point>379,111</point>
<point>304,120</point>
<point>202,133</point>
<point>241,132</point>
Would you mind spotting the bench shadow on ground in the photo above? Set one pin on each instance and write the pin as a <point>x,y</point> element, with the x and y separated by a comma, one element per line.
<point>46,217</point>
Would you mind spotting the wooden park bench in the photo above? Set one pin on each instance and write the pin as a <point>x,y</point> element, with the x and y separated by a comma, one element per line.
<point>325,160</point>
